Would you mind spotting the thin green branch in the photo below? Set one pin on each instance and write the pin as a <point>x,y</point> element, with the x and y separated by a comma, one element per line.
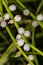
<point>9,48</point>
<point>1,34</point>
<point>6,53</point>
<point>39,7</point>
<point>17,26</point>
<point>31,14</point>
<point>33,43</point>
<point>24,1</point>
<point>15,43</point>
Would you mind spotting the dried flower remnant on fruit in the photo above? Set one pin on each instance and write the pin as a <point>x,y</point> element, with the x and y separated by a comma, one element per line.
<point>20,42</point>
<point>31,57</point>
<point>17,18</point>
<point>21,30</point>
<point>18,36</point>
<point>34,24</point>
<point>28,64</point>
<point>18,54</point>
<point>3,24</point>
<point>10,22</point>
<point>26,47</point>
<point>12,7</point>
<point>27,33</point>
<point>26,12</point>
<point>40,17</point>
<point>6,16</point>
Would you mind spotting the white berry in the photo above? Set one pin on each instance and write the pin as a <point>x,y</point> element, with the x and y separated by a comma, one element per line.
<point>12,7</point>
<point>10,22</point>
<point>3,24</point>
<point>17,18</point>
<point>20,42</point>
<point>21,30</point>
<point>26,12</point>
<point>31,57</point>
<point>0,19</point>
<point>27,33</point>
<point>34,24</point>
<point>28,64</point>
<point>6,16</point>
<point>26,47</point>
<point>18,37</point>
<point>40,17</point>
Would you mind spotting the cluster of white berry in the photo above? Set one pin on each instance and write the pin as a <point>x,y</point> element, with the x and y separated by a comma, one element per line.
<point>20,41</point>
<point>25,32</point>
<point>17,18</point>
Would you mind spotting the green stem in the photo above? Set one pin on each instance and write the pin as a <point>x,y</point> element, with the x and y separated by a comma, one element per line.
<point>14,40</point>
<point>33,43</point>
<point>24,63</point>
<point>1,8</point>
<point>4,43</point>
<point>31,14</point>
<point>20,4</point>
<point>34,53</point>
<point>33,47</point>
<point>24,1</point>
<point>39,7</point>
<point>38,35</point>
<point>6,53</point>
<point>1,34</point>
<point>17,26</point>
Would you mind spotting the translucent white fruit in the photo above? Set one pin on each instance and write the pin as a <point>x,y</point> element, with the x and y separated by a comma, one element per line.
<point>26,47</point>
<point>10,22</point>
<point>18,37</point>
<point>26,12</point>
<point>17,18</point>
<point>20,42</point>
<point>0,19</point>
<point>28,64</point>
<point>34,24</point>
<point>27,33</point>
<point>40,17</point>
<point>3,24</point>
<point>21,30</point>
<point>6,16</point>
<point>31,57</point>
<point>12,7</point>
